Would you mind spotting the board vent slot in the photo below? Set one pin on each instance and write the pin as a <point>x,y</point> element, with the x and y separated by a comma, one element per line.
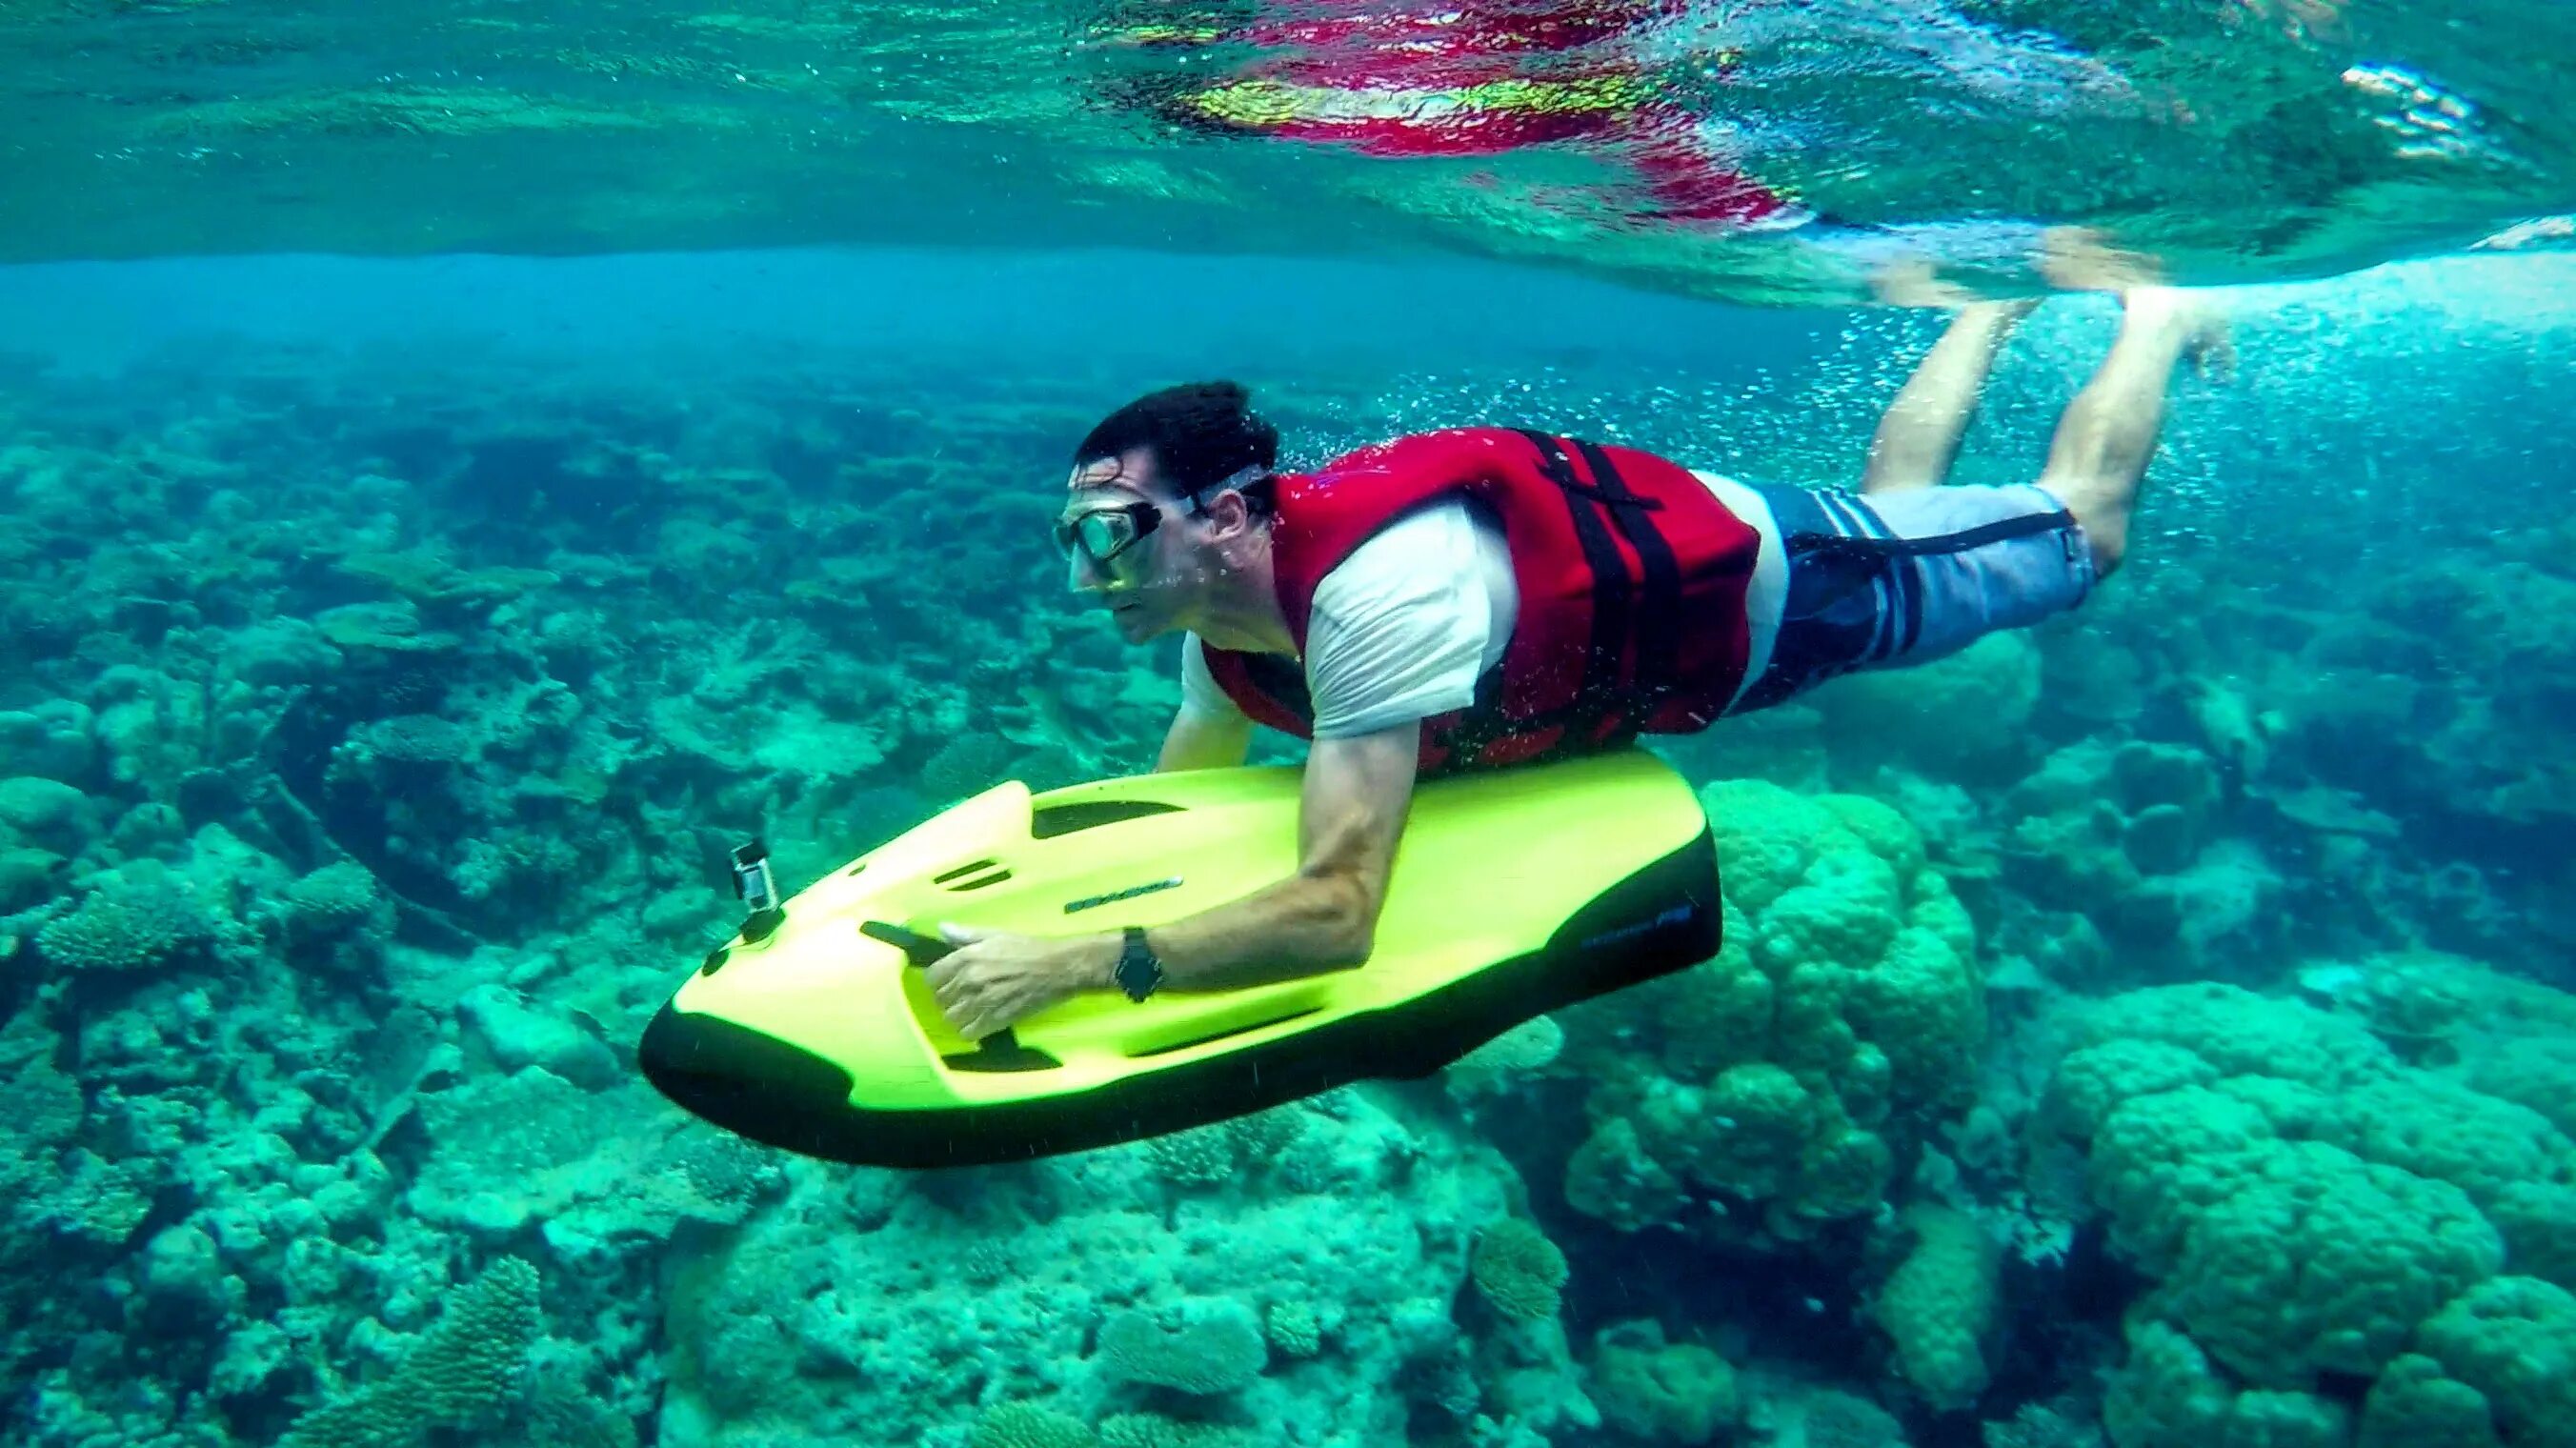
<point>971,867</point>
<point>1055,820</point>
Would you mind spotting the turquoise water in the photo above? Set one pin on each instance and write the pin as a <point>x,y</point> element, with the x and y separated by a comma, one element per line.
<point>2238,142</point>
<point>2154,1027</point>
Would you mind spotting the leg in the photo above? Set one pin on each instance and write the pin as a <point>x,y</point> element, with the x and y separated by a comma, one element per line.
<point>1918,436</point>
<point>2107,434</point>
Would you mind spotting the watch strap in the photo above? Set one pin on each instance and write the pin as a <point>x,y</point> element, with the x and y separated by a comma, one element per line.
<point>1139,973</point>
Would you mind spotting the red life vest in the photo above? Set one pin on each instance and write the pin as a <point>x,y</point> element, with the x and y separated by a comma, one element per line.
<point>1632,578</point>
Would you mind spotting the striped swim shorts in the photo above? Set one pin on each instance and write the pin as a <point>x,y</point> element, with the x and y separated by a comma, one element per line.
<point>1902,578</point>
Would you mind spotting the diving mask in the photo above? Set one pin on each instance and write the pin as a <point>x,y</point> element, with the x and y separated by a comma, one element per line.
<point>1105,536</point>
<point>1108,533</point>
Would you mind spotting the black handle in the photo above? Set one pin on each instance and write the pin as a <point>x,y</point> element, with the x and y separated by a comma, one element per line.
<point>917,948</point>
<point>1000,1051</point>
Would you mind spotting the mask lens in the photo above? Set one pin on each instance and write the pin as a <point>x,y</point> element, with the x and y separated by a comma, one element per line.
<point>1104,535</point>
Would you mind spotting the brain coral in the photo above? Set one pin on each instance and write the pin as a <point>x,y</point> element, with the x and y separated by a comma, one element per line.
<point>2318,1213</point>
<point>1844,1008</point>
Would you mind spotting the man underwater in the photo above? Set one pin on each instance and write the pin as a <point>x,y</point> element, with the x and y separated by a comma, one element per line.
<point>1476,598</point>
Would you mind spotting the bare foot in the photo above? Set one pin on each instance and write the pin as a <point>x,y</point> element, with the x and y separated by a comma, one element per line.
<point>2212,350</point>
<point>2081,259</point>
<point>2206,343</point>
<point>1915,282</point>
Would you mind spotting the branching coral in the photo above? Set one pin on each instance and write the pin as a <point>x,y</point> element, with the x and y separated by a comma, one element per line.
<point>145,919</point>
<point>1026,1425</point>
<point>1196,1345</point>
<point>464,1367</point>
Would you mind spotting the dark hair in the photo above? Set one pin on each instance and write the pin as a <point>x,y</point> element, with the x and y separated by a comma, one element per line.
<point>1201,433</point>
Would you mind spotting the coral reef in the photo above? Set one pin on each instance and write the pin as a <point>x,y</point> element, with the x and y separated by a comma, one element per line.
<point>1519,1271</point>
<point>2133,1028</point>
<point>2314,1212</point>
<point>1085,1288</point>
<point>1783,1081</point>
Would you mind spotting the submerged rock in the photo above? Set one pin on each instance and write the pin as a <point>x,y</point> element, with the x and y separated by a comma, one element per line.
<point>518,1035</point>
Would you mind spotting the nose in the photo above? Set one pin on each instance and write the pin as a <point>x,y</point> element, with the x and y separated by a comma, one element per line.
<point>1086,575</point>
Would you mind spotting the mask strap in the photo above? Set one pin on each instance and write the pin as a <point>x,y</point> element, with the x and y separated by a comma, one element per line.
<point>1238,480</point>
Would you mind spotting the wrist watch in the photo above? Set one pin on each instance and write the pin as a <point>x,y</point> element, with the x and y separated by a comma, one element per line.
<point>1138,971</point>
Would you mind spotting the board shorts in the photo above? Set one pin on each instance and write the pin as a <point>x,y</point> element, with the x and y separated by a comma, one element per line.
<point>1902,578</point>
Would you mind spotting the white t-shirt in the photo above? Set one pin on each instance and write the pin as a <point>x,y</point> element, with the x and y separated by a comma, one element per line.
<point>1405,625</point>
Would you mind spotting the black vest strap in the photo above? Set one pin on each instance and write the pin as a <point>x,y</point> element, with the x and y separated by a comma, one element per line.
<point>1596,694</point>
<point>1659,622</point>
<point>1652,620</point>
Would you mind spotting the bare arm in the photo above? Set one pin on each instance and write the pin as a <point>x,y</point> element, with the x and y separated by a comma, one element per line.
<point>1324,917</point>
<point>1205,741</point>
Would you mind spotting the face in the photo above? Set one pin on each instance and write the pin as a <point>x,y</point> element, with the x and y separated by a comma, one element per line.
<point>1156,551</point>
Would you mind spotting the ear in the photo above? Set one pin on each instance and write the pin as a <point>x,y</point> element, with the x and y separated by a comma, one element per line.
<point>1229,513</point>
